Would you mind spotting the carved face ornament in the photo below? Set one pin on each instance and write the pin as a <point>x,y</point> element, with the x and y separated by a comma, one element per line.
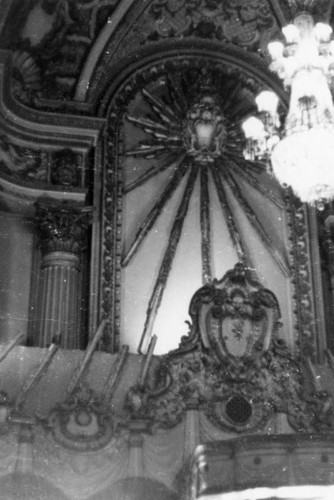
<point>204,130</point>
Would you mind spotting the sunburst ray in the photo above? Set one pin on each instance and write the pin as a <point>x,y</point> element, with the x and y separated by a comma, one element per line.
<point>168,258</point>
<point>281,260</point>
<point>153,127</point>
<point>205,227</point>
<point>229,217</point>
<point>229,96</point>
<point>178,98</point>
<point>149,221</point>
<point>164,112</point>
<point>249,177</point>
<point>236,154</point>
<point>148,150</point>
<point>172,160</point>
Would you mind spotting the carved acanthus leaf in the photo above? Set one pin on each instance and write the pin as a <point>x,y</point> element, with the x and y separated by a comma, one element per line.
<point>61,226</point>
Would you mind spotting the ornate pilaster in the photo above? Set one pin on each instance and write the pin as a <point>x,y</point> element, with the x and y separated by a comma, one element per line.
<point>326,240</point>
<point>62,231</point>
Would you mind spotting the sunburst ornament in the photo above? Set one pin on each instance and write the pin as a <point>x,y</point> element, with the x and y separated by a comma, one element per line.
<point>191,127</point>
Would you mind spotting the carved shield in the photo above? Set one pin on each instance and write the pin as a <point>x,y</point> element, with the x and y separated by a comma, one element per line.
<point>235,316</point>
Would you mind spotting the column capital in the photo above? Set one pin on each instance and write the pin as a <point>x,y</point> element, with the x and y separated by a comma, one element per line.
<point>62,227</point>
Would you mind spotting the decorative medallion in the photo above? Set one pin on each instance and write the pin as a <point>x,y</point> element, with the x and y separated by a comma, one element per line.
<point>83,422</point>
<point>237,317</point>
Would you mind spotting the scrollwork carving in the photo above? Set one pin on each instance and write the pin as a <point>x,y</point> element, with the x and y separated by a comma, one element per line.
<point>239,21</point>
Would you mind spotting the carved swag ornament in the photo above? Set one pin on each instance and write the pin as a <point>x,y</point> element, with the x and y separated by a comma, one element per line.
<point>82,422</point>
<point>233,366</point>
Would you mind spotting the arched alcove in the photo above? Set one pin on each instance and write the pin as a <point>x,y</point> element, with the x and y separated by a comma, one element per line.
<point>171,219</point>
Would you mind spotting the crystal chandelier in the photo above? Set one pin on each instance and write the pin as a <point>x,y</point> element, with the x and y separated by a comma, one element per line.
<point>301,152</point>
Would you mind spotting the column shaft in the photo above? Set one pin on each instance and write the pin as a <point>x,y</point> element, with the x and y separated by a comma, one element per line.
<point>60,307</point>
<point>62,230</point>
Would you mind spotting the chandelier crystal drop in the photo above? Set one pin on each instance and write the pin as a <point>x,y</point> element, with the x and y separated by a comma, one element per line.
<point>301,152</point>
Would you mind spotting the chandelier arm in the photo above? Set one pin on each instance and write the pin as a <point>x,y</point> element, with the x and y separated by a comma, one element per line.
<point>229,217</point>
<point>249,176</point>
<point>205,226</point>
<point>151,218</point>
<point>281,260</point>
<point>168,258</point>
<point>171,160</point>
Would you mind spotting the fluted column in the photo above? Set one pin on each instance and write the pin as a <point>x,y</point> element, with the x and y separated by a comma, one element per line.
<point>62,231</point>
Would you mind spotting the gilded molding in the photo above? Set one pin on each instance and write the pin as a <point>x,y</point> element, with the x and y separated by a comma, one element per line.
<point>303,304</point>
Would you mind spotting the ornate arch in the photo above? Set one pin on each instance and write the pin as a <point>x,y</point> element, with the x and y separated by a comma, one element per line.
<point>148,104</point>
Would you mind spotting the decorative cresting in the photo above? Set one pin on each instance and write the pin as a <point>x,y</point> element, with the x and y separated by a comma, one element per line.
<point>62,230</point>
<point>83,422</point>
<point>233,366</point>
